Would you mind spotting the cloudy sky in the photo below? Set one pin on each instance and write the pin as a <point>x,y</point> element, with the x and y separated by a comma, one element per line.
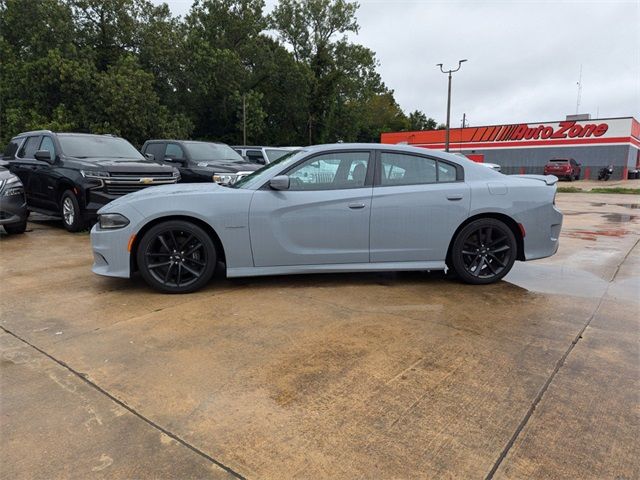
<point>524,57</point>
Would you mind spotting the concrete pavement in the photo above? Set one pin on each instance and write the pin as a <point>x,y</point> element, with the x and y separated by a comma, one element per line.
<point>360,375</point>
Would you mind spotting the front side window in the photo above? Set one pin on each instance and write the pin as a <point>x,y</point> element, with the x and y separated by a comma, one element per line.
<point>174,151</point>
<point>331,171</point>
<point>47,144</point>
<point>255,156</point>
<point>29,147</point>
<point>157,150</point>
<point>11,148</point>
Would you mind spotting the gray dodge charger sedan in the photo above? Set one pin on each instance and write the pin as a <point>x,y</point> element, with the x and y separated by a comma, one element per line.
<point>333,208</point>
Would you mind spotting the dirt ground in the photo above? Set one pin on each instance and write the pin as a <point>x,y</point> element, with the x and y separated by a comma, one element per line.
<point>404,375</point>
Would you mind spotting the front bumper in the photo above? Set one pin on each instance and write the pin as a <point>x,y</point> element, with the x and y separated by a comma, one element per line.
<point>111,256</point>
<point>13,209</point>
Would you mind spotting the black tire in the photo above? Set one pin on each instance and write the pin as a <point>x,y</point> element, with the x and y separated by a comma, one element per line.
<point>71,212</point>
<point>176,256</point>
<point>484,251</point>
<point>578,176</point>
<point>16,228</point>
<point>570,178</point>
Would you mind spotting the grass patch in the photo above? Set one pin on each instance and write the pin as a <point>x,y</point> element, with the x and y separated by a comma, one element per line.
<point>570,190</point>
<point>629,191</point>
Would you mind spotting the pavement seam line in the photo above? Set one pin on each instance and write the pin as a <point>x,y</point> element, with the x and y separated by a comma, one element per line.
<point>559,364</point>
<point>127,407</point>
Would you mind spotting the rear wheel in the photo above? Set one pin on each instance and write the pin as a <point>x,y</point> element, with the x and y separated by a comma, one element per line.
<point>176,257</point>
<point>484,251</point>
<point>70,212</point>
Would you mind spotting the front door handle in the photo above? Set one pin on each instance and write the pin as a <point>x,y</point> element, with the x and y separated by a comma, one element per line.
<point>454,197</point>
<point>356,206</point>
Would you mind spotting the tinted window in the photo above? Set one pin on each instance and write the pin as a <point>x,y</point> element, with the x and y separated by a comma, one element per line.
<point>274,154</point>
<point>446,172</point>
<point>47,144</point>
<point>11,148</point>
<point>255,156</point>
<point>97,146</point>
<point>331,171</point>
<point>157,150</point>
<point>203,151</point>
<point>174,151</point>
<point>29,147</point>
<point>404,169</point>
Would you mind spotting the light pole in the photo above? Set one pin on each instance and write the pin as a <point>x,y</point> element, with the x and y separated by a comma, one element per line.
<point>460,62</point>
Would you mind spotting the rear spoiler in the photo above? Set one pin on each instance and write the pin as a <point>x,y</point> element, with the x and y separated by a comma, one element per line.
<point>548,179</point>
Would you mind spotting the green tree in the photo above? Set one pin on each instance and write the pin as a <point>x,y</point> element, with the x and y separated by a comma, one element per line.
<point>419,121</point>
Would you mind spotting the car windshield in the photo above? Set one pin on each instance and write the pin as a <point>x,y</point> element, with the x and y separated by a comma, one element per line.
<point>204,151</point>
<point>262,173</point>
<point>97,146</point>
<point>274,154</point>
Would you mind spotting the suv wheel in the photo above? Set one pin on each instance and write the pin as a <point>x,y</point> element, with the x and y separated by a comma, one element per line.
<point>16,228</point>
<point>70,212</point>
<point>176,257</point>
<point>484,251</point>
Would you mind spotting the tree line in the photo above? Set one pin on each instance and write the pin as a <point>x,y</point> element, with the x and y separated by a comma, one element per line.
<point>131,68</point>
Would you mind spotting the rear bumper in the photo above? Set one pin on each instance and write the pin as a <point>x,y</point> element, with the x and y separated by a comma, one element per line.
<point>542,237</point>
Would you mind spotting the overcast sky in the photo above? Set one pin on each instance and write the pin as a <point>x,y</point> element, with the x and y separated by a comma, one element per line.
<point>524,57</point>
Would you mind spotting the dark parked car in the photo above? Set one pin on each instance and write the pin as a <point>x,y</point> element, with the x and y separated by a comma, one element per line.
<point>262,155</point>
<point>200,161</point>
<point>74,174</point>
<point>563,168</point>
<point>13,204</point>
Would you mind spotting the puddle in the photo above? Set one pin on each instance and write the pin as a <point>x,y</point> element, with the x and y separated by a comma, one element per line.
<point>592,235</point>
<point>632,206</point>
<point>619,217</point>
<point>557,280</point>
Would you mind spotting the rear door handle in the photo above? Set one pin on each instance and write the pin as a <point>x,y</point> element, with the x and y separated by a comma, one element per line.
<point>454,197</point>
<point>356,206</point>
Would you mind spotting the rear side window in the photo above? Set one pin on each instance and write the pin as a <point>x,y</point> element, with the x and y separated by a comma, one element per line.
<point>12,148</point>
<point>407,169</point>
<point>47,144</point>
<point>29,147</point>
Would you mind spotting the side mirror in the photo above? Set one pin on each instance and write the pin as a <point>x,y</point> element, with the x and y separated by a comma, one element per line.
<point>150,156</point>
<point>44,155</point>
<point>279,182</point>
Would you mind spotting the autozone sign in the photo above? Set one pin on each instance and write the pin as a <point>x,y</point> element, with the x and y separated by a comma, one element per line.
<point>568,129</point>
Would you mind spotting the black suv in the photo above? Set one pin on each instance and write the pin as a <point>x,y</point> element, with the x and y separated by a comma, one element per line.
<point>74,174</point>
<point>200,161</point>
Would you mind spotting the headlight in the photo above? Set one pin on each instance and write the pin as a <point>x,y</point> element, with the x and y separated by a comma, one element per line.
<point>110,221</point>
<point>176,173</point>
<point>13,191</point>
<point>223,178</point>
<point>94,174</point>
<point>13,186</point>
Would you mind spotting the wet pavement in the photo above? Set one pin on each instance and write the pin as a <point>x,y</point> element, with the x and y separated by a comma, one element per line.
<point>406,375</point>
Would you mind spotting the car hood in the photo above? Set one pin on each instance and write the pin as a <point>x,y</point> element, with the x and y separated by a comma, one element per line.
<point>118,165</point>
<point>163,191</point>
<point>226,167</point>
<point>5,174</point>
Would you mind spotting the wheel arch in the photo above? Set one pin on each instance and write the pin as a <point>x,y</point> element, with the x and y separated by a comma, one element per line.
<point>133,263</point>
<point>506,219</point>
<point>63,186</point>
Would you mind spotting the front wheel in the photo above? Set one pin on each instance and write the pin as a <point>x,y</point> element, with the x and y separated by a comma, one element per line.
<point>176,257</point>
<point>484,251</point>
<point>16,228</point>
<point>70,212</point>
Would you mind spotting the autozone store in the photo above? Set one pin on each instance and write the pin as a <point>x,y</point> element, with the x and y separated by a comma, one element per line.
<point>527,147</point>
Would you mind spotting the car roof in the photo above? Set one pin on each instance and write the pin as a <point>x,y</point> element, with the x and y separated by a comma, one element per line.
<point>183,141</point>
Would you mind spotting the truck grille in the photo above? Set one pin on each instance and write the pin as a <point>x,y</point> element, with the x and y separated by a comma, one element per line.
<point>124,183</point>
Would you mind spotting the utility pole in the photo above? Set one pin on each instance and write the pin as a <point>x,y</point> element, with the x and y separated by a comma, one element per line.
<point>579,91</point>
<point>464,120</point>
<point>460,62</point>
<point>244,119</point>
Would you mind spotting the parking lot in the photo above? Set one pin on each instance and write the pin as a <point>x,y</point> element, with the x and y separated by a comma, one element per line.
<point>406,375</point>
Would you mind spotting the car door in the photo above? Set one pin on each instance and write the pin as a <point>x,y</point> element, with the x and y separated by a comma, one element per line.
<point>24,165</point>
<point>323,218</point>
<point>176,156</point>
<point>417,204</point>
<point>44,177</point>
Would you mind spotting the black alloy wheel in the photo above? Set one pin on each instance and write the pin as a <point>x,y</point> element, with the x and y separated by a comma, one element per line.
<point>484,251</point>
<point>176,257</point>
